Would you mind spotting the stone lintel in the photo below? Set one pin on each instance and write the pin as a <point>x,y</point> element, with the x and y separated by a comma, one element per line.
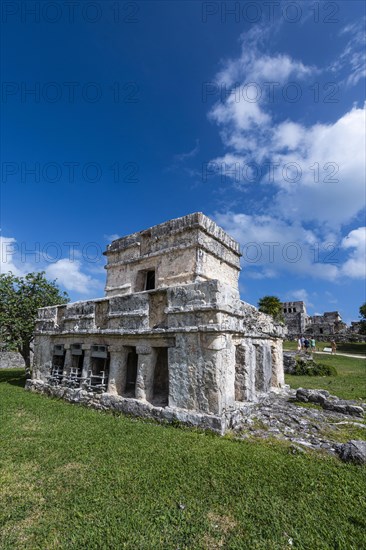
<point>116,348</point>
<point>86,347</point>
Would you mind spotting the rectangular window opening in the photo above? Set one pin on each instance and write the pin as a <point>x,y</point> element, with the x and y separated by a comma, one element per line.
<point>150,280</point>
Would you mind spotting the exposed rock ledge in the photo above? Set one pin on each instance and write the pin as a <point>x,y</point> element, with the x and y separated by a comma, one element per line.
<point>279,415</point>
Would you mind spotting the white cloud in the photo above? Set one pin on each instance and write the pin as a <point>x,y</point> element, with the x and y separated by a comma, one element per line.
<point>69,274</point>
<point>251,66</point>
<point>317,171</point>
<point>112,237</point>
<point>355,266</point>
<point>299,295</point>
<point>7,256</point>
<point>184,156</point>
<point>272,247</point>
<point>12,259</point>
<point>288,135</point>
<point>331,158</point>
<point>353,58</point>
<point>242,115</point>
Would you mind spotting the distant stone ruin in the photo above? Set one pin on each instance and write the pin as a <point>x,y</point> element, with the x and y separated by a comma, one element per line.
<point>327,326</point>
<point>171,339</point>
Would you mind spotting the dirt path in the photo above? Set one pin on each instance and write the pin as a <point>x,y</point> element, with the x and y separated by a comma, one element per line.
<point>343,354</point>
<point>329,353</point>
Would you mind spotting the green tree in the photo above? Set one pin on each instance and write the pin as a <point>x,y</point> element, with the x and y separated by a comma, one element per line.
<point>20,297</point>
<point>363,318</point>
<point>272,306</point>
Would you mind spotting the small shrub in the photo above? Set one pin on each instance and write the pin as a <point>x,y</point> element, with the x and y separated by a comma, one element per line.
<point>311,368</point>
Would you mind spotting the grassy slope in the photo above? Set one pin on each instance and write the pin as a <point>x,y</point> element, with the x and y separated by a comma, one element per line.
<point>77,478</point>
<point>349,384</point>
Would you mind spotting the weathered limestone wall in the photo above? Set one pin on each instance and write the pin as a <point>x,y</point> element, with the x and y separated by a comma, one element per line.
<point>258,367</point>
<point>181,251</point>
<point>11,360</point>
<point>174,268</point>
<point>202,372</point>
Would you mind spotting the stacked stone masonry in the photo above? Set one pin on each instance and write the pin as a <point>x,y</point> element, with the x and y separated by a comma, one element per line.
<point>171,339</point>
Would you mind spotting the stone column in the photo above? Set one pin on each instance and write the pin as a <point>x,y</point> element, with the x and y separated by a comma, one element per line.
<point>145,372</point>
<point>241,372</point>
<point>43,352</point>
<point>68,361</point>
<point>86,362</point>
<point>217,381</point>
<point>278,376</point>
<point>250,358</point>
<point>117,369</point>
<point>263,373</point>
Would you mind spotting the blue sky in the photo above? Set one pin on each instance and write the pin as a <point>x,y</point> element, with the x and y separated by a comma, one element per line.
<point>120,115</point>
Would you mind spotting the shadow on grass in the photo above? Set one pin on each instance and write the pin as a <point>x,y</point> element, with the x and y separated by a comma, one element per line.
<point>349,347</point>
<point>15,377</point>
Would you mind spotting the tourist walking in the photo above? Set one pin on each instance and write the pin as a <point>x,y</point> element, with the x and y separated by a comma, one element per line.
<point>333,346</point>
<point>312,344</point>
<point>299,344</point>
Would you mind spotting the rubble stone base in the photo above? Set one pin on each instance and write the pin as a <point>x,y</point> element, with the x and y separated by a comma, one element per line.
<point>129,406</point>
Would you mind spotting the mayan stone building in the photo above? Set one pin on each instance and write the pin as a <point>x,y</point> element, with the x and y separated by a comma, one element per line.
<point>296,318</point>
<point>171,339</point>
<point>329,325</point>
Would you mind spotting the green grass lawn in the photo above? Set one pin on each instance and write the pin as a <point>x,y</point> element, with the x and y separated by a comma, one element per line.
<point>76,478</point>
<point>354,348</point>
<point>350,383</point>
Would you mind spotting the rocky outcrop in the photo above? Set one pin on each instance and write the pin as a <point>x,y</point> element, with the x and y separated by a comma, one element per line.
<point>289,362</point>
<point>353,451</point>
<point>329,402</point>
<point>278,415</point>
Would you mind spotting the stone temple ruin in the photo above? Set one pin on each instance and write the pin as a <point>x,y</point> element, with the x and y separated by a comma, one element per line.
<point>327,326</point>
<point>171,339</point>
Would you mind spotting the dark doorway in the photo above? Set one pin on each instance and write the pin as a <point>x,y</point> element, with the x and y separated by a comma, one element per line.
<point>99,367</point>
<point>150,280</point>
<point>76,370</point>
<point>131,375</point>
<point>161,378</point>
<point>58,362</point>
